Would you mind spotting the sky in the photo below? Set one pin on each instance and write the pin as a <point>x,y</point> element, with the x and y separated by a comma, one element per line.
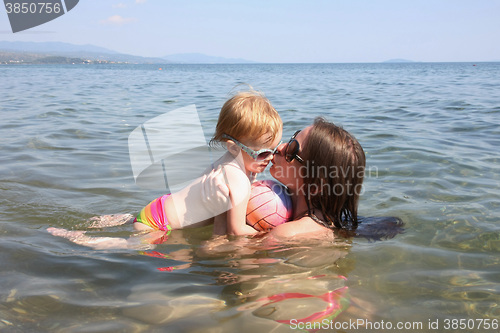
<point>281,31</point>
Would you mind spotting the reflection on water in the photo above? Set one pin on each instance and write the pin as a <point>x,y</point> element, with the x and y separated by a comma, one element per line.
<point>430,133</point>
<point>280,284</point>
<point>231,282</point>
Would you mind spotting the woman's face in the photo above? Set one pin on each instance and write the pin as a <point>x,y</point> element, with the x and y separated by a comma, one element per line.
<point>290,173</point>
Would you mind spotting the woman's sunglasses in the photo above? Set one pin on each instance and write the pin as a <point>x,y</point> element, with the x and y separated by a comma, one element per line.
<point>258,155</point>
<point>292,148</point>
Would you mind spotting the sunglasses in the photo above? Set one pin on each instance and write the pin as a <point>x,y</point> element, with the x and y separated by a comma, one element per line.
<point>292,148</point>
<point>258,155</point>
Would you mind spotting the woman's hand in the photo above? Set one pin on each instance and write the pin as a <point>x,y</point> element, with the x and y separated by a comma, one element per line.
<point>215,192</point>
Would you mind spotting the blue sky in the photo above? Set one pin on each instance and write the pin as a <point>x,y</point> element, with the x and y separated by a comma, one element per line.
<point>281,30</point>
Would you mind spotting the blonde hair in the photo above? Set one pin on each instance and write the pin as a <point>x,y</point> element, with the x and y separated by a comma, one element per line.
<point>247,115</point>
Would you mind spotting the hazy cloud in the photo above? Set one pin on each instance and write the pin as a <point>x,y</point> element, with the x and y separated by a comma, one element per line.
<point>118,20</point>
<point>120,5</point>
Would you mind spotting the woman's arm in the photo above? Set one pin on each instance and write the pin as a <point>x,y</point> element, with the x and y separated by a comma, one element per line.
<point>305,227</point>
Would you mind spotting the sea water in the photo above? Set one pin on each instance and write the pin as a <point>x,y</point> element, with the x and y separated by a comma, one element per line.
<point>431,133</point>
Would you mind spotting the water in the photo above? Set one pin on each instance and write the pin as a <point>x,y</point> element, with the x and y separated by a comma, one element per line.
<point>431,134</point>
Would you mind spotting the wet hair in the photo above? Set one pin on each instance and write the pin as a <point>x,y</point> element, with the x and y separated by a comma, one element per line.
<point>339,164</point>
<point>375,228</point>
<point>247,115</point>
<point>335,181</point>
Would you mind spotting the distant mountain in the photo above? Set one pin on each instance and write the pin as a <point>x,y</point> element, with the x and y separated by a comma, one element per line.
<point>90,52</point>
<point>398,60</point>
<point>27,52</point>
<point>198,58</point>
<point>52,47</point>
<point>38,58</point>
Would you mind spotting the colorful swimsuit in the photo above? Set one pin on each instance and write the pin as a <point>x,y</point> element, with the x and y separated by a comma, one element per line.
<point>154,215</point>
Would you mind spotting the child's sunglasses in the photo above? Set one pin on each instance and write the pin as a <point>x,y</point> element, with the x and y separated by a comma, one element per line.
<point>258,155</point>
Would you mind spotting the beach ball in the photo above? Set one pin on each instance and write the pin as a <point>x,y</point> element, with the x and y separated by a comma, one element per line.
<point>269,205</point>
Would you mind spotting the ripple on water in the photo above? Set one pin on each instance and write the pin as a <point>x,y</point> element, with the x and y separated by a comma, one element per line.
<point>41,144</point>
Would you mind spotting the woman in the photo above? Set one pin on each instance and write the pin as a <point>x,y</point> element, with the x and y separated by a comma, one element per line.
<point>323,168</point>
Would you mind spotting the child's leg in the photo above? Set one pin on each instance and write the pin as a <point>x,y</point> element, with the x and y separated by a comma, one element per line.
<point>139,226</point>
<point>98,243</point>
<point>138,242</point>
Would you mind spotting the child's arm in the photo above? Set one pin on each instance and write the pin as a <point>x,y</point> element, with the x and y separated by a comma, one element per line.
<point>236,219</point>
<point>239,192</point>
<point>220,224</point>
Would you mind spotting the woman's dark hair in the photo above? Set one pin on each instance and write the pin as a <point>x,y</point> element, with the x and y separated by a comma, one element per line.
<point>335,164</point>
<point>375,228</point>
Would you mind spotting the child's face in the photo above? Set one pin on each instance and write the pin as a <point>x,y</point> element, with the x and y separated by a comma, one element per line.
<point>258,166</point>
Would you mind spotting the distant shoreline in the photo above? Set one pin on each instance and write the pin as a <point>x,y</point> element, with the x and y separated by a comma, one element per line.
<point>77,61</point>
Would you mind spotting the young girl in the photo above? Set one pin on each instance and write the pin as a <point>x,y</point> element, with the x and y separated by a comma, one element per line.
<point>251,129</point>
